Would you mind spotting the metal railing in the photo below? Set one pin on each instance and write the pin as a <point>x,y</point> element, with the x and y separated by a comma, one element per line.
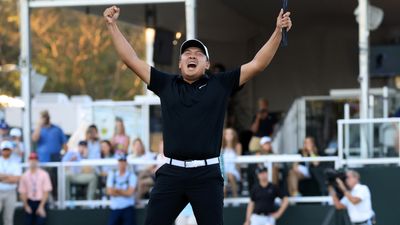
<point>367,146</point>
<point>269,160</point>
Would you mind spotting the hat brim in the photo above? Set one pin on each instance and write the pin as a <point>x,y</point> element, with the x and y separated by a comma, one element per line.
<point>194,43</point>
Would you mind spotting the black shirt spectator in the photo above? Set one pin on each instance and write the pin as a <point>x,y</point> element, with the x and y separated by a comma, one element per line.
<point>264,198</point>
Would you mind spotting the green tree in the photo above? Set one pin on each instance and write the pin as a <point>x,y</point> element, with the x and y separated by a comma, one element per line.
<point>74,51</point>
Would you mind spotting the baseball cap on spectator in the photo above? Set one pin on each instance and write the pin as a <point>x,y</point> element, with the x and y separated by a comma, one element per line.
<point>261,169</point>
<point>121,157</point>
<point>6,145</point>
<point>33,156</point>
<point>4,125</point>
<point>82,143</point>
<point>194,43</point>
<point>265,139</point>
<point>15,132</point>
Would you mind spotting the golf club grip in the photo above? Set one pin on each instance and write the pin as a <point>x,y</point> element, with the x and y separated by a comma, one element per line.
<point>284,41</point>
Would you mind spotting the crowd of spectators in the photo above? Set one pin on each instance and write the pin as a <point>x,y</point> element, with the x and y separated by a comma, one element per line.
<point>93,182</point>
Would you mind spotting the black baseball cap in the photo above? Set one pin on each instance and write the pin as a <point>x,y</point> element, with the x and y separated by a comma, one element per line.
<point>122,157</point>
<point>261,169</point>
<point>194,43</point>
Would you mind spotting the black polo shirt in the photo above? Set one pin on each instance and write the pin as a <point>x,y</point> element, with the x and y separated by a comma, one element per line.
<point>264,198</point>
<point>193,114</point>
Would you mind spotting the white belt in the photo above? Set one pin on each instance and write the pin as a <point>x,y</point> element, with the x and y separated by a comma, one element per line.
<point>192,163</point>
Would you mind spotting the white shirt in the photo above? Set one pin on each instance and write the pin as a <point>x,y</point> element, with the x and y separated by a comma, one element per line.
<point>363,210</point>
<point>9,167</point>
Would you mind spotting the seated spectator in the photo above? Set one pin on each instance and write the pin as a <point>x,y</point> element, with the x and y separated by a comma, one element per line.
<point>79,175</point>
<point>231,148</point>
<point>301,171</point>
<point>265,149</point>
<point>121,187</point>
<point>107,153</point>
<point>160,158</point>
<point>266,146</point>
<point>18,150</point>
<point>145,172</point>
<point>34,189</point>
<point>92,139</point>
<point>120,141</point>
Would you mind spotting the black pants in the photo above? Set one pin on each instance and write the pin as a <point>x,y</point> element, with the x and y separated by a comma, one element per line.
<point>125,216</point>
<point>175,187</point>
<point>33,219</point>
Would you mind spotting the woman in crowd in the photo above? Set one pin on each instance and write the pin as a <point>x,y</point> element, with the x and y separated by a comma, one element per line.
<point>120,141</point>
<point>145,172</point>
<point>231,148</point>
<point>301,171</point>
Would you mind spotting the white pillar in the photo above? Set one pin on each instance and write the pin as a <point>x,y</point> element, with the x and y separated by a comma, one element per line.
<point>150,35</point>
<point>190,9</point>
<point>363,40</point>
<point>25,67</point>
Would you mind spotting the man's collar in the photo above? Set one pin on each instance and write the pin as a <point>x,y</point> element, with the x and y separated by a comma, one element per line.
<point>203,77</point>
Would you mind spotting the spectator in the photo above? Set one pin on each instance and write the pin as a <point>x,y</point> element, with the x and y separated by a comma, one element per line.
<point>4,131</point>
<point>34,189</point>
<point>106,150</point>
<point>160,158</point>
<point>262,125</point>
<point>92,139</point>
<point>261,208</point>
<point>145,172</point>
<point>301,171</point>
<point>356,199</point>
<point>18,150</point>
<point>266,146</point>
<point>120,140</point>
<point>50,139</point>
<point>265,149</point>
<point>79,175</point>
<point>231,148</point>
<point>10,172</point>
<point>121,187</point>
<point>107,153</point>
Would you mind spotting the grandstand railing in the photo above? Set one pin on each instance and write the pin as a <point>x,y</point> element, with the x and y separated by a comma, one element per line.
<point>368,152</point>
<point>268,160</point>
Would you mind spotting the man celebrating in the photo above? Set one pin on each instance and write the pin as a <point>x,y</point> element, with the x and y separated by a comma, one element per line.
<point>356,199</point>
<point>193,106</point>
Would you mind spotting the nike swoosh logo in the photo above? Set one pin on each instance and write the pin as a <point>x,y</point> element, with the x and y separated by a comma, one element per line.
<point>202,86</point>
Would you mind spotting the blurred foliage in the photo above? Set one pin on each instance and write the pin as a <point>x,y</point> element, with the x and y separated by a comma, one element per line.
<point>73,50</point>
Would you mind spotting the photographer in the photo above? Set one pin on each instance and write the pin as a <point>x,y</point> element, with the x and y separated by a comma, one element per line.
<point>356,199</point>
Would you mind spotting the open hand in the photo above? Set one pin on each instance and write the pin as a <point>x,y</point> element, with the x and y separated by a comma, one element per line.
<point>111,14</point>
<point>284,21</point>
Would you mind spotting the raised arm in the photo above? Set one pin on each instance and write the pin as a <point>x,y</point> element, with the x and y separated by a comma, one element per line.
<point>267,52</point>
<point>123,48</point>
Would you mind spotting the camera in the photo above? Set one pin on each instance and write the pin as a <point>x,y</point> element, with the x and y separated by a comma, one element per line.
<point>331,175</point>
